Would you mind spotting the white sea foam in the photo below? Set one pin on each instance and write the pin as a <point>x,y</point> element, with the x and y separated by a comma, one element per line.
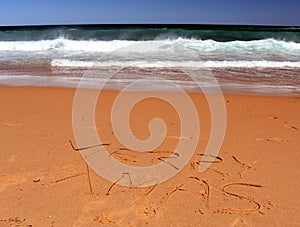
<point>169,45</point>
<point>170,64</point>
<point>60,53</point>
<point>63,44</point>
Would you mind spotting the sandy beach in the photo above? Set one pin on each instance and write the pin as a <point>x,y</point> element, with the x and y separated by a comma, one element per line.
<point>254,180</point>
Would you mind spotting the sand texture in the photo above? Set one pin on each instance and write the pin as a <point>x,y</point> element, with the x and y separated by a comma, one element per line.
<point>254,180</point>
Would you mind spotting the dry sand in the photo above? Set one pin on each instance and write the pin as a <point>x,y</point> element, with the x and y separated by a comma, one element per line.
<point>253,182</point>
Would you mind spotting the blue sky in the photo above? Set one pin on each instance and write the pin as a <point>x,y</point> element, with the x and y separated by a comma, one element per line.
<point>263,12</point>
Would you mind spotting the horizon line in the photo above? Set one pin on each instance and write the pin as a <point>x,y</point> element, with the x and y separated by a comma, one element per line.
<point>148,25</point>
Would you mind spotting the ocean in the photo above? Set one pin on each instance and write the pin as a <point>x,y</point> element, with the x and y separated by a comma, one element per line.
<point>243,59</point>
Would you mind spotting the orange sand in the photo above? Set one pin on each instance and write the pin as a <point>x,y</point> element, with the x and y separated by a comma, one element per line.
<point>43,181</point>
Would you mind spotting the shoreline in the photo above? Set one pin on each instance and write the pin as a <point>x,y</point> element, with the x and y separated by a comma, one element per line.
<point>258,161</point>
<point>250,81</point>
<point>225,92</point>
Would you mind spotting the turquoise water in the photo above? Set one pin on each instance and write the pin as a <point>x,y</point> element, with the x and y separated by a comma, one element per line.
<point>150,32</point>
